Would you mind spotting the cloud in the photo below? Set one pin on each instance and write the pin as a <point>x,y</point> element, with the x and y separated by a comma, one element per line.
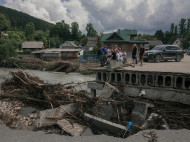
<point>53,10</point>
<point>147,16</point>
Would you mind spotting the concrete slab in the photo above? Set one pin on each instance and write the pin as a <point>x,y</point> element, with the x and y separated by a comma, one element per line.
<point>106,111</point>
<point>108,91</point>
<point>139,112</point>
<point>47,117</point>
<point>104,125</point>
<point>95,85</point>
<point>73,129</point>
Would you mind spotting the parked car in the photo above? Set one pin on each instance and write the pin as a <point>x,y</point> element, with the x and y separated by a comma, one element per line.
<point>188,51</point>
<point>165,53</point>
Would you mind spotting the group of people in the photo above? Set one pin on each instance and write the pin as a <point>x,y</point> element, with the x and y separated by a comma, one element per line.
<point>115,53</point>
<point>118,54</point>
<point>135,52</point>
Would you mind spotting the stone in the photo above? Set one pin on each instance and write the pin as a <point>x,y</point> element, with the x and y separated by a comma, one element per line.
<point>87,132</point>
<point>108,91</point>
<point>95,85</point>
<point>73,129</point>
<point>43,119</point>
<point>104,125</point>
<point>26,110</point>
<point>112,64</point>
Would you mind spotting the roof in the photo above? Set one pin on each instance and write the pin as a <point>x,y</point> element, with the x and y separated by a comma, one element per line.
<point>69,43</point>
<point>55,51</point>
<point>32,44</point>
<point>154,42</point>
<point>124,35</point>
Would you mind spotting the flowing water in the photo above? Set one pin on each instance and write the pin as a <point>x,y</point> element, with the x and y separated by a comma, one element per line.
<point>51,77</point>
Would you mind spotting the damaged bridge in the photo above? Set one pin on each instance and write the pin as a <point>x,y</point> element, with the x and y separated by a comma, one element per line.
<point>156,85</point>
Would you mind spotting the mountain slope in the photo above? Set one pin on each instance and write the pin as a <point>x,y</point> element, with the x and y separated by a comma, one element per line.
<point>19,19</point>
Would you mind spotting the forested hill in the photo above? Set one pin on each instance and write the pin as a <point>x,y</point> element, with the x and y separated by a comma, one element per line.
<point>19,19</point>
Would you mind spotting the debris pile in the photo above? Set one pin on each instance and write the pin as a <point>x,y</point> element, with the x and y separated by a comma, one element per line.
<point>30,103</point>
<point>27,62</point>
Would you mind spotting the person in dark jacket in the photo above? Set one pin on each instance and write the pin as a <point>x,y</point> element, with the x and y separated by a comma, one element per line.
<point>100,56</point>
<point>141,53</point>
<point>134,53</point>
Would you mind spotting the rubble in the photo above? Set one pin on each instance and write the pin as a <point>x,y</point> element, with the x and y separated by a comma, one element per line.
<point>30,103</point>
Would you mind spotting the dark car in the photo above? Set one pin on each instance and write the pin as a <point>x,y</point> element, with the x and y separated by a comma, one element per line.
<point>164,53</point>
<point>188,51</point>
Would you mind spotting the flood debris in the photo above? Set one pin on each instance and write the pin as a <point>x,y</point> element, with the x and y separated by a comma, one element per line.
<point>73,129</point>
<point>30,103</point>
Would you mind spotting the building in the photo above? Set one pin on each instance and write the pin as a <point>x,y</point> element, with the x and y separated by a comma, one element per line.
<point>69,45</point>
<point>55,54</point>
<point>154,43</point>
<point>30,46</point>
<point>178,42</point>
<point>91,43</point>
<point>124,39</point>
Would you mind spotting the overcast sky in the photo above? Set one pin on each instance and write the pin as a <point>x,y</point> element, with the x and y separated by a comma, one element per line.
<point>146,16</point>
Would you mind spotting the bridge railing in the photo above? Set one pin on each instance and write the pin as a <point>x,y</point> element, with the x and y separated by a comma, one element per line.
<point>89,58</point>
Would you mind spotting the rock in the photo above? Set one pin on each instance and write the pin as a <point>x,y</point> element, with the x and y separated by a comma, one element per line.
<point>73,129</point>
<point>48,117</point>
<point>26,110</point>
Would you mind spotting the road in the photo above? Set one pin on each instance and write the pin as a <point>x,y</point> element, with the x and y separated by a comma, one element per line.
<point>170,66</point>
<point>11,135</point>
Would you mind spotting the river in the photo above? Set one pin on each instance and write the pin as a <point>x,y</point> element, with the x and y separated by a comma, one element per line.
<point>51,77</point>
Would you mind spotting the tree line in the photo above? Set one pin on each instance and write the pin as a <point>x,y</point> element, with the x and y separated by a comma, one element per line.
<point>53,37</point>
<point>178,30</point>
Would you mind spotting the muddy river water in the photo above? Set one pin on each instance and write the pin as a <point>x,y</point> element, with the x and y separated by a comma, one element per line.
<point>51,77</point>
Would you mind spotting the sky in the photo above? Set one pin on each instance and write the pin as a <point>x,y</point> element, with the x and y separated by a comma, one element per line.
<point>146,16</point>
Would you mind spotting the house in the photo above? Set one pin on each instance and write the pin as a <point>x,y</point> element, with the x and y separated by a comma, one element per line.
<point>124,39</point>
<point>91,43</point>
<point>71,45</point>
<point>30,46</point>
<point>154,43</point>
<point>56,54</point>
<point>178,42</point>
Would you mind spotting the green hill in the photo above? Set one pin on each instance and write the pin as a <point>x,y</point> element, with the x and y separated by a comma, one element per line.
<point>19,19</point>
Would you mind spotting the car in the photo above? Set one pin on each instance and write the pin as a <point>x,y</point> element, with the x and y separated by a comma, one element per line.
<point>164,53</point>
<point>188,51</point>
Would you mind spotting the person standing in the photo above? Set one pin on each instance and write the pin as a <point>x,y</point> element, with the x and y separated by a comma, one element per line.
<point>105,54</point>
<point>134,53</point>
<point>124,57</point>
<point>141,53</point>
<point>100,56</point>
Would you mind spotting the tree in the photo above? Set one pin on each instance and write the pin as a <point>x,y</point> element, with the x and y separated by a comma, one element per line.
<point>4,23</point>
<point>172,28</point>
<point>75,32</point>
<point>159,35</point>
<point>6,49</point>
<point>90,30</point>
<point>188,25</point>
<point>29,30</point>
<point>182,25</point>
<point>176,30</point>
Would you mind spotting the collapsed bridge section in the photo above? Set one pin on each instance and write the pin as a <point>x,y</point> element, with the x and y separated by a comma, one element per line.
<point>167,86</point>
